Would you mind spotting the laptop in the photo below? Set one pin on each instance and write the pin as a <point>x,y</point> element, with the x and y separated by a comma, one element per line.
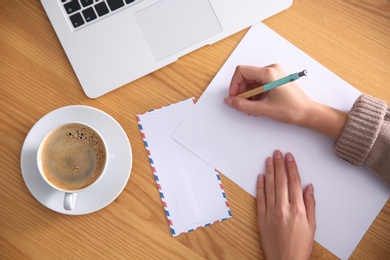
<point>110,43</point>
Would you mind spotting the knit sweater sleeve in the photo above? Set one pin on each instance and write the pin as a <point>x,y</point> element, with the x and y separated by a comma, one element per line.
<point>365,138</point>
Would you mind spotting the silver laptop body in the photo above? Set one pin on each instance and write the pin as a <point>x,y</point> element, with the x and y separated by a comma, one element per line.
<point>113,42</point>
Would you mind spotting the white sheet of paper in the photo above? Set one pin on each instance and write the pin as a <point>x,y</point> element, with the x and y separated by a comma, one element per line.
<point>190,189</point>
<point>348,197</point>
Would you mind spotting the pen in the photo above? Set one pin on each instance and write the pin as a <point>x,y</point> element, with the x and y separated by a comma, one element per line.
<point>272,85</point>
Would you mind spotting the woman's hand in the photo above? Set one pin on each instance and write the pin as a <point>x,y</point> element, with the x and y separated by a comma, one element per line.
<point>286,216</point>
<point>286,104</point>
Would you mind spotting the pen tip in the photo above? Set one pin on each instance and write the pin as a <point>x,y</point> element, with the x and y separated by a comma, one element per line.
<point>302,73</point>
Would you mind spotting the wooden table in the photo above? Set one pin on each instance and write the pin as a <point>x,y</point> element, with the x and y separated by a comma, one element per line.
<point>351,38</point>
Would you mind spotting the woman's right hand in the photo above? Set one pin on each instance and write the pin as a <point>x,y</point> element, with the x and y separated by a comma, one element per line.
<point>287,103</point>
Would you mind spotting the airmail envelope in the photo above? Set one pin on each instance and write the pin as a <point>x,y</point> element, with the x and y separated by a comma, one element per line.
<point>190,189</point>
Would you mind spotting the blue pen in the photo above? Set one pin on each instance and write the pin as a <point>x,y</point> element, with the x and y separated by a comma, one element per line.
<point>272,85</point>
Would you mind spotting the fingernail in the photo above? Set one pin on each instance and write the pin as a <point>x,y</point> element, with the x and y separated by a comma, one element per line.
<point>268,161</point>
<point>289,157</point>
<point>311,189</point>
<point>260,177</point>
<point>278,154</point>
<point>228,101</point>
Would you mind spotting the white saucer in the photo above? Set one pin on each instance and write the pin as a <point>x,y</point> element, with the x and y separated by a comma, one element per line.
<point>118,167</point>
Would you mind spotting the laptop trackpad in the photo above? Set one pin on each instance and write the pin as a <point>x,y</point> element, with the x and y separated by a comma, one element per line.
<point>170,26</point>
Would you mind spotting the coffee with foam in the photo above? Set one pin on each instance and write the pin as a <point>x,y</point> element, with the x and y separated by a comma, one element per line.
<point>72,156</point>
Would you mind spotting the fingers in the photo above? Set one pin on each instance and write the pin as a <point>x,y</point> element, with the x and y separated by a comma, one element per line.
<point>247,77</point>
<point>276,180</point>
<point>243,77</point>
<point>310,205</point>
<point>281,188</point>
<point>261,196</point>
<point>294,180</point>
<point>247,106</point>
<point>280,192</point>
<point>286,229</point>
<point>269,182</point>
<point>280,179</point>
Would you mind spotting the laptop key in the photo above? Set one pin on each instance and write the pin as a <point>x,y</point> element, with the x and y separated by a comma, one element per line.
<point>115,4</point>
<point>101,8</point>
<point>89,14</point>
<point>129,1</point>
<point>86,2</point>
<point>77,20</point>
<point>72,6</point>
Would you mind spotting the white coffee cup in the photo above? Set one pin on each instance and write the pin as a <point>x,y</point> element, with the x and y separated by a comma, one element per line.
<point>72,158</point>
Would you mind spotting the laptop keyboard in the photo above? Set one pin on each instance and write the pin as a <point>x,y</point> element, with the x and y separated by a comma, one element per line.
<point>84,12</point>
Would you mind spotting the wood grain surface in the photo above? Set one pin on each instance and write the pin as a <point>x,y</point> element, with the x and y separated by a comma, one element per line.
<point>350,37</point>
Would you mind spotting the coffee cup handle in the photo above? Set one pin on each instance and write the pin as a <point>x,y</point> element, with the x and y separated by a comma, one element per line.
<point>69,200</point>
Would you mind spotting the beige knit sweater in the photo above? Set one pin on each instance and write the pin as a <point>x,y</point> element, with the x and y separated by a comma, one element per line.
<point>365,138</point>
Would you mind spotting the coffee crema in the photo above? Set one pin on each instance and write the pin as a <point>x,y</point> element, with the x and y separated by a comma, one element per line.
<point>72,156</point>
